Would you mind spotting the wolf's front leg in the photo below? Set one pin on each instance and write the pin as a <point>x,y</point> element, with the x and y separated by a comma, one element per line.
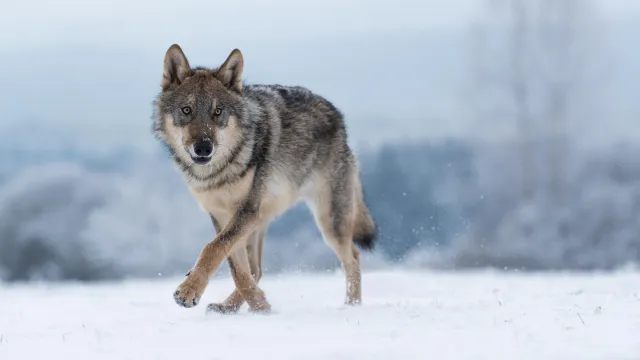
<point>246,287</point>
<point>234,301</point>
<point>213,254</point>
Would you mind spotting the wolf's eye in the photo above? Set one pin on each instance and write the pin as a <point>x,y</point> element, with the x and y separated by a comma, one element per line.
<point>218,111</point>
<point>186,110</point>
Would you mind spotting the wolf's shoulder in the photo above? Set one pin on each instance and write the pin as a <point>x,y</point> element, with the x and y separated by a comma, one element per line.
<point>290,96</point>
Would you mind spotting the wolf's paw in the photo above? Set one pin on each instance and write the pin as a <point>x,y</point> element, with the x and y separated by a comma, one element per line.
<point>353,302</point>
<point>262,310</point>
<point>224,309</point>
<point>189,292</point>
<point>259,305</point>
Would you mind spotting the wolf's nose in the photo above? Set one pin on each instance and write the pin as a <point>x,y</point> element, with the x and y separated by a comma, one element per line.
<point>203,148</point>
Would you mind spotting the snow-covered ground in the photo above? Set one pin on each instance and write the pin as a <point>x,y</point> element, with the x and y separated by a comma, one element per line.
<point>405,315</point>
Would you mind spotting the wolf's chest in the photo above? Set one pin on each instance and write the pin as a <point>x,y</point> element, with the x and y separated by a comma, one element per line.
<point>277,196</point>
<point>222,202</point>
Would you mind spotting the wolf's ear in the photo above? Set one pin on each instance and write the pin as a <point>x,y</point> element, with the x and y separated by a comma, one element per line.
<point>230,73</point>
<point>176,67</point>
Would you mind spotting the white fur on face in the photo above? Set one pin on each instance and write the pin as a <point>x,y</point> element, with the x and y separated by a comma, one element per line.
<point>174,137</point>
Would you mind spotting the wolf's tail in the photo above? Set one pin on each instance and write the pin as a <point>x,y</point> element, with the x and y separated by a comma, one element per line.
<point>365,230</point>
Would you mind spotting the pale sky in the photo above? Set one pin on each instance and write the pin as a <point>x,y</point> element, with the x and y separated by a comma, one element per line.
<point>289,41</point>
<point>27,23</point>
<point>34,22</point>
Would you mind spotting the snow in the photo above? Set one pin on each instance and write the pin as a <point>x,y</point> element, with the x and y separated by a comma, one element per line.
<point>405,315</point>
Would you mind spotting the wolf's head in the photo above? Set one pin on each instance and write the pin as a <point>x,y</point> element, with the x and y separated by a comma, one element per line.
<point>199,111</point>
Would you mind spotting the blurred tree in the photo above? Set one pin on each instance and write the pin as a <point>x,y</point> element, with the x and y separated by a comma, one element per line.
<point>538,65</point>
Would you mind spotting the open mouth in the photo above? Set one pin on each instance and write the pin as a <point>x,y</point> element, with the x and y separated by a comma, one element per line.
<point>201,160</point>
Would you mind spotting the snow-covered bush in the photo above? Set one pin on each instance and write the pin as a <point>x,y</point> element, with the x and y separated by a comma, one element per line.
<point>43,211</point>
<point>593,225</point>
<point>61,221</point>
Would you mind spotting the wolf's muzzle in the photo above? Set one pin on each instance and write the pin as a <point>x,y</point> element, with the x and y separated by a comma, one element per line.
<point>202,152</point>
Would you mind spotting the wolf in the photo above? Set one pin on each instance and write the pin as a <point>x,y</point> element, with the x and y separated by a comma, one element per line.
<point>247,154</point>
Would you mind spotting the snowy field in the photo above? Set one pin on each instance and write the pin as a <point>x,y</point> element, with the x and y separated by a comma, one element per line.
<point>406,315</point>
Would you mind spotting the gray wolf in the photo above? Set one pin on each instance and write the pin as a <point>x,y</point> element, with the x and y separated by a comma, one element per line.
<point>248,153</point>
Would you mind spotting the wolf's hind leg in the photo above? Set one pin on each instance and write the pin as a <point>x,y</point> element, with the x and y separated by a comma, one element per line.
<point>334,211</point>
